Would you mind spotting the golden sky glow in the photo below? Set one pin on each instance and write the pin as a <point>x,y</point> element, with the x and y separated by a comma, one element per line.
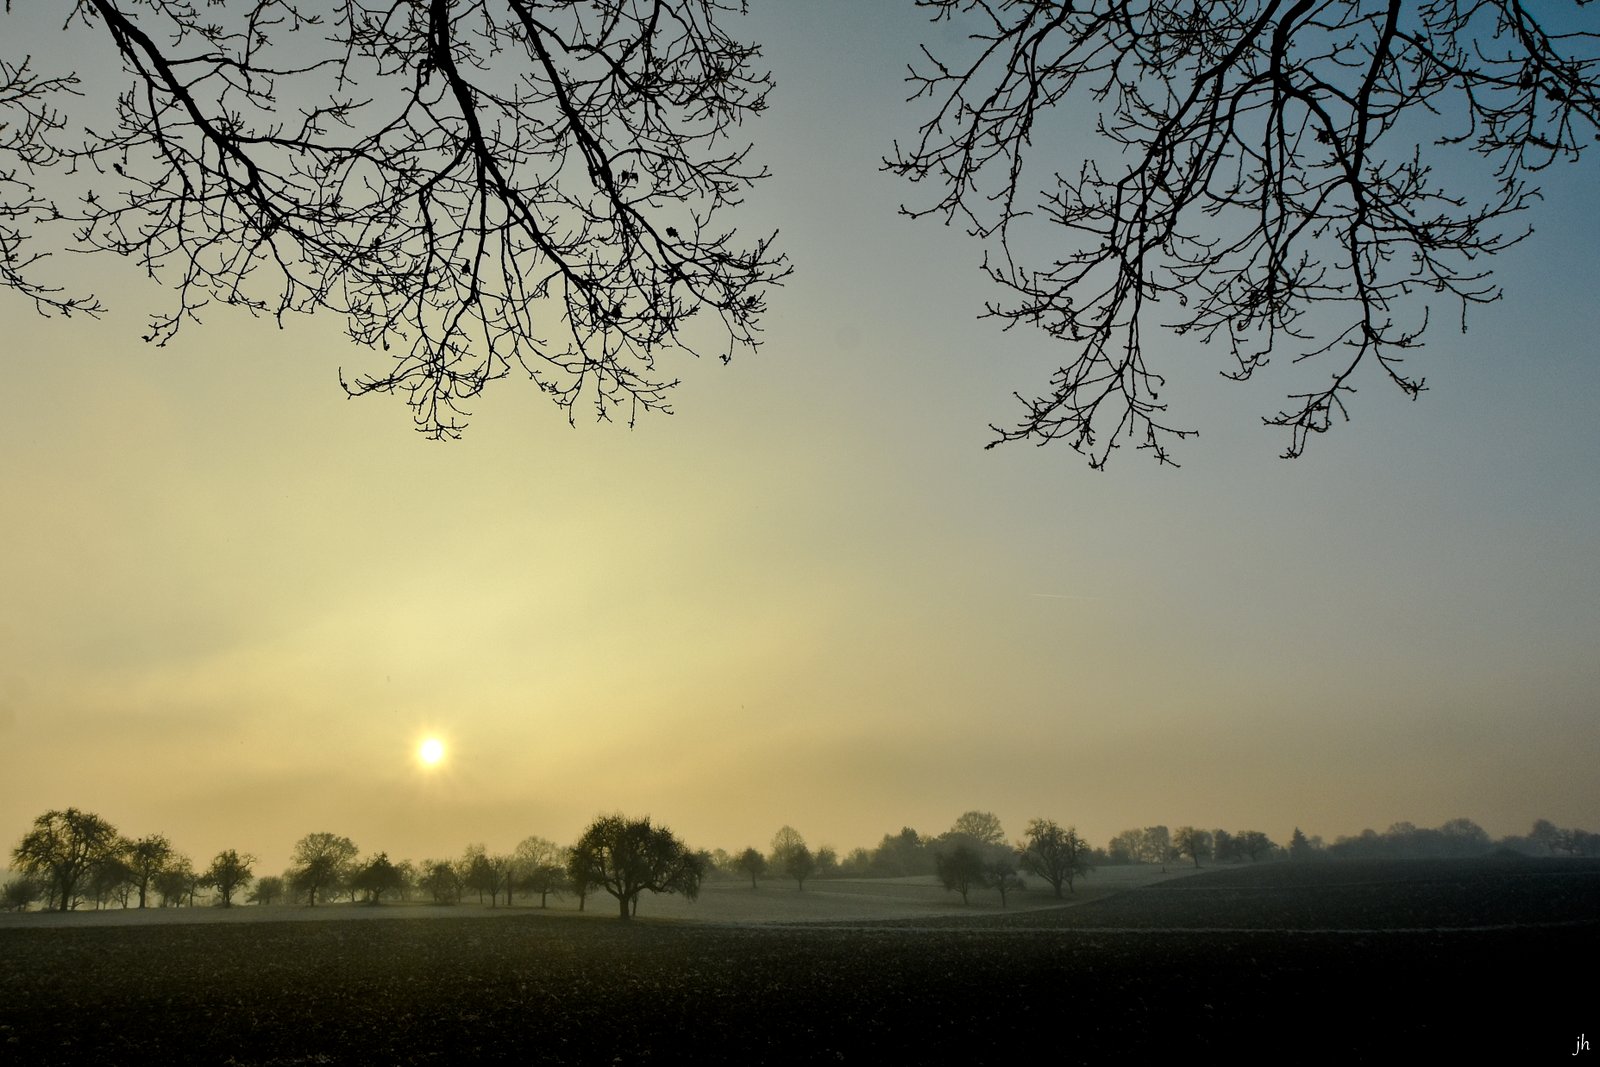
<point>810,597</point>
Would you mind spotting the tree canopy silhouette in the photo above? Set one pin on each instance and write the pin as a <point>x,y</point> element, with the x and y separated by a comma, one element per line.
<point>65,847</point>
<point>625,857</point>
<point>476,188</point>
<point>1282,180</point>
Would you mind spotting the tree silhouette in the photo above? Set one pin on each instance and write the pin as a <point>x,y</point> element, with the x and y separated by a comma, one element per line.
<point>541,868</point>
<point>1266,186</point>
<point>476,189</point>
<point>63,848</point>
<point>376,877</point>
<point>625,857</point>
<point>322,861</point>
<point>1192,842</point>
<point>753,863</point>
<point>961,870</point>
<point>1056,854</point>
<point>145,858</point>
<point>266,890</point>
<point>228,872</point>
<point>800,864</point>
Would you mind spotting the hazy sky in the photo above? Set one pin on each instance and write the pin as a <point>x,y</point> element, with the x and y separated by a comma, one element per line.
<point>235,600</point>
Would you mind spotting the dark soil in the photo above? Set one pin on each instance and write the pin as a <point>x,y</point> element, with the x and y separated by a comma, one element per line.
<point>1282,964</point>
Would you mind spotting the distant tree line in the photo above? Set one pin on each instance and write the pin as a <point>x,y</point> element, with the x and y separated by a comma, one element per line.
<point>72,858</point>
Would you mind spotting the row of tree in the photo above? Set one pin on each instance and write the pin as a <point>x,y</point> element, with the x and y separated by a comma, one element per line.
<point>71,857</point>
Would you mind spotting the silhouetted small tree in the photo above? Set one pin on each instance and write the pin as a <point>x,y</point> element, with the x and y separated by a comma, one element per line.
<point>1056,854</point>
<point>376,877</point>
<point>228,871</point>
<point>541,868</point>
<point>111,880</point>
<point>145,858</point>
<point>177,882</point>
<point>626,857</point>
<point>21,893</point>
<point>266,890</point>
<point>322,862</point>
<point>961,870</point>
<point>63,849</point>
<point>441,881</point>
<point>800,864</point>
<point>1000,871</point>
<point>751,863</point>
<point>1192,842</point>
<point>785,841</point>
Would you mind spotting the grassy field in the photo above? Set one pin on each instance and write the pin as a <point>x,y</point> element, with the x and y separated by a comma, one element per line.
<point>1361,963</point>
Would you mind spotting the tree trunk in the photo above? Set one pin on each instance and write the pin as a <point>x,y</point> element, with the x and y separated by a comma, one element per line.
<point>623,901</point>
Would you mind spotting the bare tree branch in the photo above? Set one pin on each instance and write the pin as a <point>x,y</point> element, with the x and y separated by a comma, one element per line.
<point>475,186</point>
<point>1272,183</point>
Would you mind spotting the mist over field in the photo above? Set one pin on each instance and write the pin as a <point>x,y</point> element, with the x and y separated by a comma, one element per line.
<point>608,531</point>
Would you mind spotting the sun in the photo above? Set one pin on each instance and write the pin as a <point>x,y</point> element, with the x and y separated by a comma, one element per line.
<point>431,751</point>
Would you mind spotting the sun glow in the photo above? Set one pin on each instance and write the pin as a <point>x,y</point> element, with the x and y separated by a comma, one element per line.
<point>431,751</point>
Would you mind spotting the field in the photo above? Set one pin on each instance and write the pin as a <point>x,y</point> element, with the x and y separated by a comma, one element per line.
<point>1281,963</point>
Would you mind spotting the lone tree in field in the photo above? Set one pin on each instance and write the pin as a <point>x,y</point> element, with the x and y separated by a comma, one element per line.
<point>376,877</point>
<point>228,872</point>
<point>625,857</point>
<point>322,863</point>
<point>753,863</point>
<point>177,882</point>
<point>800,864</point>
<point>1192,842</point>
<point>1000,871</point>
<point>477,190</point>
<point>63,849</point>
<point>784,842</point>
<point>146,858</point>
<point>1258,178</point>
<point>961,870</point>
<point>1055,854</point>
<point>540,867</point>
<point>266,890</point>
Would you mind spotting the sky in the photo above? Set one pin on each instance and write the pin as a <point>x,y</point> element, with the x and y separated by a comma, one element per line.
<point>235,600</point>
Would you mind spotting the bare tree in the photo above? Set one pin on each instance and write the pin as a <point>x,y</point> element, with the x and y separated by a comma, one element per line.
<point>541,868</point>
<point>753,863</point>
<point>961,870</point>
<point>322,863</point>
<point>784,843</point>
<point>377,876</point>
<point>145,858</point>
<point>1264,187</point>
<point>625,857</point>
<point>266,890</point>
<point>228,873</point>
<point>1055,853</point>
<point>64,848</point>
<point>1192,842</point>
<point>800,864</point>
<point>476,188</point>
